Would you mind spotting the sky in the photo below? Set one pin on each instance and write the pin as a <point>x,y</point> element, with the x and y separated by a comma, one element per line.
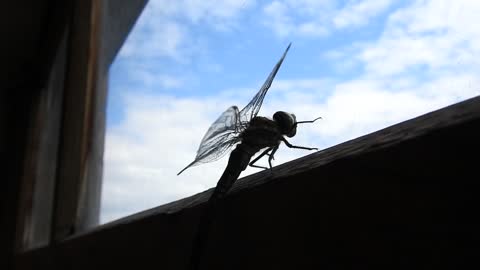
<point>362,65</point>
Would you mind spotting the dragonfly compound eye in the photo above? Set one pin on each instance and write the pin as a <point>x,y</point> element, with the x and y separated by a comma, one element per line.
<point>286,123</point>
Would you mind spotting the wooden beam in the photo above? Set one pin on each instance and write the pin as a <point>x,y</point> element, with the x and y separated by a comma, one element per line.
<point>79,158</point>
<point>40,164</point>
<point>99,28</point>
<point>33,102</point>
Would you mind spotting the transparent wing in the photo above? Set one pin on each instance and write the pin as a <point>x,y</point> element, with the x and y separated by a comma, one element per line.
<point>220,137</point>
<point>252,108</point>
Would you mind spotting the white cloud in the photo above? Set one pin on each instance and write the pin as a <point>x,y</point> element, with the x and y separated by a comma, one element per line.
<point>217,11</point>
<point>148,77</point>
<point>278,19</point>
<point>166,28</point>
<point>357,13</point>
<point>427,34</point>
<point>150,80</point>
<point>281,17</point>
<point>211,11</point>
<point>309,18</point>
<point>157,38</point>
<point>311,29</point>
<point>423,60</point>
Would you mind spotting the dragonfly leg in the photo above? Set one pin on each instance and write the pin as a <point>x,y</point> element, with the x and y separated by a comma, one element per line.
<point>298,147</point>
<point>271,157</point>
<point>259,157</point>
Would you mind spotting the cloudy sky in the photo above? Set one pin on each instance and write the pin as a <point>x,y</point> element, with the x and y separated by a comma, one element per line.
<point>360,64</point>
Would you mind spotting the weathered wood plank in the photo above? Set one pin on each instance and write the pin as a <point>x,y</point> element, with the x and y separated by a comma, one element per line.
<point>33,59</point>
<point>39,174</point>
<point>98,31</point>
<point>77,129</point>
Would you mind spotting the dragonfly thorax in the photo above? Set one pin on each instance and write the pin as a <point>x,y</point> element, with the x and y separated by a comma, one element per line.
<point>287,122</point>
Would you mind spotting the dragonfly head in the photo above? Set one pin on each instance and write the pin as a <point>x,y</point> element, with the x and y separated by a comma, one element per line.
<point>287,122</point>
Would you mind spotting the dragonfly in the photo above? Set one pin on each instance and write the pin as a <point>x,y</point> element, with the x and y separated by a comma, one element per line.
<point>250,133</point>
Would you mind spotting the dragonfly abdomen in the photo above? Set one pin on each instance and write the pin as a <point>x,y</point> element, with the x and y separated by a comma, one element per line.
<point>238,162</point>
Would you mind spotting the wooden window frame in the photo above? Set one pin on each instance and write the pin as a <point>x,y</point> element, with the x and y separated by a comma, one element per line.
<point>60,188</point>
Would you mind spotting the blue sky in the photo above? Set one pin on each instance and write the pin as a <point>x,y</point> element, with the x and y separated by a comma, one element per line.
<point>360,64</point>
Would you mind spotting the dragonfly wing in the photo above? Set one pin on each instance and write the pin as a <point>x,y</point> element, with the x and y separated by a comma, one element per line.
<point>220,137</point>
<point>252,108</point>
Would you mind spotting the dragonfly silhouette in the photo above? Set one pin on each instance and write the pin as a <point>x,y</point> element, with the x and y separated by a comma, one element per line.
<point>250,133</point>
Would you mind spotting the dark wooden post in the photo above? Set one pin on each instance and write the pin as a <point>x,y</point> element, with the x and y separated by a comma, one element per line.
<point>80,167</point>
